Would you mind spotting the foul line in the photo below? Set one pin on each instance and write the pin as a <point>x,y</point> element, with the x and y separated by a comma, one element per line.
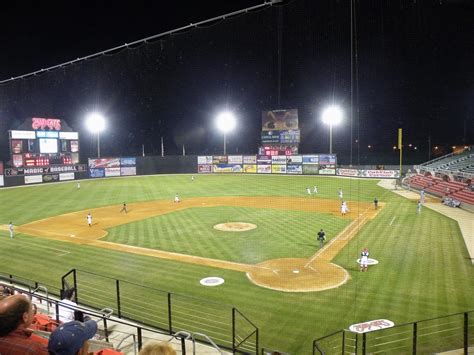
<point>393,219</point>
<point>63,252</point>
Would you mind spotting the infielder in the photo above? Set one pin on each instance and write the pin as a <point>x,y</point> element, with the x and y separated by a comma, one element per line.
<point>364,259</point>
<point>308,190</point>
<point>124,208</point>
<point>176,198</point>
<point>344,208</point>
<point>315,189</point>
<point>89,219</point>
<point>10,229</point>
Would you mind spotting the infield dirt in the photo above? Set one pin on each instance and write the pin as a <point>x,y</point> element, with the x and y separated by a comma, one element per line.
<point>290,275</point>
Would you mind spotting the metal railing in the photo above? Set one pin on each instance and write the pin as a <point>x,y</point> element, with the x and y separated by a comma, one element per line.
<point>451,332</point>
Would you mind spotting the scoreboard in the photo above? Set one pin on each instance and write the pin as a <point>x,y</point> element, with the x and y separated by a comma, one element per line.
<point>44,145</point>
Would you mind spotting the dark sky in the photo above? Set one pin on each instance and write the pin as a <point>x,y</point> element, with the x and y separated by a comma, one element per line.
<point>415,70</point>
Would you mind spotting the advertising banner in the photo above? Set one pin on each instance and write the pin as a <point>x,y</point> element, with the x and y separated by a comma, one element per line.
<point>380,173</point>
<point>203,160</point>
<point>219,159</point>
<point>250,168</point>
<point>310,159</point>
<point>278,169</point>
<point>66,176</point>
<point>279,159</point>
<point>310,169</point>
<point>112,172</point>
<point>50,177</point>
<point>235,159</point>
<point>327,159</point>
<point>227,168</point>
<point>264,169</point>
<point>250,159</point>
<point>270,137</point>
<point>290,137</point>
<point>33,179</point>
<point>22,134</point>
<point>104,163</point>
<point>17,146</point>
<point>203,169</point>
<point>264,159</point>
<point>128,161</point>
<point>279,120</point>
<point>2,183</point>
<point>128,170</point>
<point>294,159</point>
<point>96,173</point>
<point>68,135</point>
<point>294,169</point>
<point>347,172</point>
<point>1,167</point>
<point>17,160</point>
<point>327,171</point>
<point>47,134</point>
<point>74,146</point>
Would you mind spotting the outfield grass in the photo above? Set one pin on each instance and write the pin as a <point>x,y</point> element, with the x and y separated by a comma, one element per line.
<point>424,269</point>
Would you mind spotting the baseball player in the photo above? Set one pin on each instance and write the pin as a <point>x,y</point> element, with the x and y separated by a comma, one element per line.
<point>422,196</point>
<point>78,185</point>
<point>308,190</point>
<point>192,177</point>
<point>340,194</point>
<point>124,208</point>
<point>176,198</point>
<point>344,208</point>
<point>376,203</point>
<point>321,237</point>
<point>89,219</point>
<point>315,189</point>
<point>10,229</point>
<point>418,207</point>
<point>364,259</point>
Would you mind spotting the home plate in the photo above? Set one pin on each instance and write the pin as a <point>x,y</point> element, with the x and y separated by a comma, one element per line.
<point>296,271</point>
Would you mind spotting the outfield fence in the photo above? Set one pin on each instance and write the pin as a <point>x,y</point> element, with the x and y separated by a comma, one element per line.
<point>225,325</point>
<point>451,332</point>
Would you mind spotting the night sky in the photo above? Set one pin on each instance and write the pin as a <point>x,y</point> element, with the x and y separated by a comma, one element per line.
<point>415,70</point>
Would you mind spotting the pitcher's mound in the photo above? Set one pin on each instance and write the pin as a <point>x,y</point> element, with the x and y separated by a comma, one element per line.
<point>292,275</point>
<point>235,226</point>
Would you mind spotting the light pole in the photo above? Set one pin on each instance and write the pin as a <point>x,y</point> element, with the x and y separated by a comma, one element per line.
<point>96,123</point>
<point>332,115</point>
<point>225,123</point>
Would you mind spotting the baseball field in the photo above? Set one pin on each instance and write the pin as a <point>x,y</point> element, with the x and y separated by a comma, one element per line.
<point>274,272</point>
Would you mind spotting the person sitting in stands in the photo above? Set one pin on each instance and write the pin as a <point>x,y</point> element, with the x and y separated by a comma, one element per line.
<point>157,348</point>
<point>66,314</point>
<point>16,315</point>
<point>72,338</point>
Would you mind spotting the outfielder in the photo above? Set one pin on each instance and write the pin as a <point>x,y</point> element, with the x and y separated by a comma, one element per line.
<point>10,229</point>
<point>308,190</point>
<point>315,189</point>
<point>340,194</point>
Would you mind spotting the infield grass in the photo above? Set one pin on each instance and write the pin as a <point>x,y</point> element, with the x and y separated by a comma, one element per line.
<point>423,272</point>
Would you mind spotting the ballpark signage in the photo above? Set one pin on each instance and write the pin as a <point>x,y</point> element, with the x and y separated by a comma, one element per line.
<point>294,159</point>
<point>264,169</point>
<point>2,183</point>
<point>204,168</point>
<point>250,168</point>
<point>104,163</point>
<point>250,159</point>
<point>235,159</point>
<point>22,135</point>
<point>264,159</point>
<point>227,168</point>
<point>310,169</point>
<point>371,326</point>
<point>310,159</point>
<point>294,169</point>
<point>327,159</point>
<point>52,124</point>
<point>380,173</point>
<point>347,172</point>
<point>128,170</point>
<point>204,160</point>
<point>278,169</point>
<point>45,170</point>
<point>279,159</point>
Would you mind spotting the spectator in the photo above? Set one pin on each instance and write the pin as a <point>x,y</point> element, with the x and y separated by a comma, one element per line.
<point>16,315</point>
<point>72,338</point>
<point>66,314</point>
<point>157,348</point>
<point>5,291</point>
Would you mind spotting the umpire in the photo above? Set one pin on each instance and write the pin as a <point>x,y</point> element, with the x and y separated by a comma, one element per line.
<point>321,237</point>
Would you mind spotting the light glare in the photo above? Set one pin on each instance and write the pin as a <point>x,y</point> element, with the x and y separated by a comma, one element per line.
<point>95,122</point>
<point>332,115</point>
<point>226,121</point>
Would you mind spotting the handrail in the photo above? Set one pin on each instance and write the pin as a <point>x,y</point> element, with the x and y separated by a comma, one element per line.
<point>134,342</point>
<point>208,339</point>
<point>45,290</point>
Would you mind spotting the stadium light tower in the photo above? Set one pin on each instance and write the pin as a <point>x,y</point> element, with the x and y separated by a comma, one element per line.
<point>225,123</point>
<point>96,123</point>
<point>332,115</point>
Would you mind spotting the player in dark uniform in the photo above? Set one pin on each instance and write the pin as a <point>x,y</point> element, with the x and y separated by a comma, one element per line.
<point>124,208</point>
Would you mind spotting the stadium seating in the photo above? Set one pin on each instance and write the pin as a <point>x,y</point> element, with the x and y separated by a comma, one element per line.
<point>463,162</point>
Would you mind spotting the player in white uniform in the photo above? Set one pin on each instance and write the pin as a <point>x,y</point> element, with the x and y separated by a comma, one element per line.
<point>308,190</point>
<point>176,198</point>
<point>340,194</point>
<point>344,208</point>
<point>89,219</point>
<point>364,259</point>
<point>78,185</point>
<point>422,196</point>
<point>315,189</point>
<point>10,229</point>
<point>192,177</point>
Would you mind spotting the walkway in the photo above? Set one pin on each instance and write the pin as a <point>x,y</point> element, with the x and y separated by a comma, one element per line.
<point>464,218</point>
